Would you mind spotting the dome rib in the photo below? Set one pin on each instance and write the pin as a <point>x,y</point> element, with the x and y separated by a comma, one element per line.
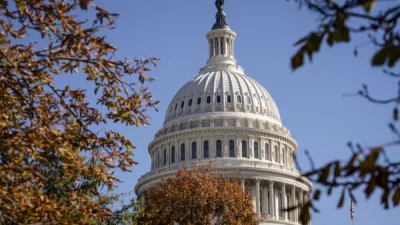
<point>222,82</point>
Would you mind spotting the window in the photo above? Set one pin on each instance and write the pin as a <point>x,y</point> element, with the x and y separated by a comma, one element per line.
<point>208,99</point>
<point>239,99</point>
<point>176,106</point>
<point>248,100</point>
<point>244,149</point>
<point>256,155</point>
<point>194,150</point>
<point>159,159</point>
<point>266,151</point>
<point>206,152</point>
<point>182,104</point>
<point>217,47</point>
<point>183,152</point>
<point>276,154</point>
<point>219,148</point>
<point>283,156</point>
<point>211,48</point>
<point>218,98</point>
<point>229,100</point>
<point>173,154</point>
<point>198,100</point>
<point>165,156</point>
<point>280,204</point>
<point>190,102</point>
<point>222,47</point>
<point>231,148</point>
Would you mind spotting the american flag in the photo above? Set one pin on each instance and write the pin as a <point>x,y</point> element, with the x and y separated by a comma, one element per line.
<point>352,210</point>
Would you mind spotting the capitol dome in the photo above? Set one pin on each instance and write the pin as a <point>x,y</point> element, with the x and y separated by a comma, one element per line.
<point>226,119</point>
<point>217,91</point>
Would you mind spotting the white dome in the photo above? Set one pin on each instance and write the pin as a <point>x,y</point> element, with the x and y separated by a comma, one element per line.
<point>222,90</point>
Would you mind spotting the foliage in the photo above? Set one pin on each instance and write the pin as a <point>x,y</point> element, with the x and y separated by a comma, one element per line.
<point>53,161</point>
<point>368,168</point>
<point>196,197</point>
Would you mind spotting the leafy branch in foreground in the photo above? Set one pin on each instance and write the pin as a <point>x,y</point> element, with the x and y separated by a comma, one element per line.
<point>53,161</point>
<point>368,168</point>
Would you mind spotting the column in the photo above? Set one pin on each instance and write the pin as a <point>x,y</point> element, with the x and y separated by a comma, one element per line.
<point>226,46</point>
<point>284,201</point>
<point>243,187</point>
<point>219,46</point>
<point>265,205</point>
<point>301,197</point>
<point>271,199</point>
<point>294,217</point>
<point>258,197</point>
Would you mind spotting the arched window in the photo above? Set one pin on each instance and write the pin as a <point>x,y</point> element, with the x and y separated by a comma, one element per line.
<point>183,152</point>
<point>159,159</point>
<point>208,99</point>
<point>173,154</point>
<point>190,102</point>
<point>266,151</point>
<point>222,47</point>
<point>231,148</point>
<point>218,98</point>
<point>211,48</point>
<point>244,149</point>
<point>256,155</point>
<point>206,151</point>
<point>280,204</point>
<point>229,100</point>
<point>248,100</point>
<point>239,99</point>
<point>217,46</point>
<point>165,156</point>
<point>276,154</point>
<point>194,150</point>
<point>219,148</point>
<point>283,156</point>
<point>198,100</point>
<point>182,104</point>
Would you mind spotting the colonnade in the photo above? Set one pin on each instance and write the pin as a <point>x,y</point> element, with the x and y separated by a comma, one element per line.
<point>221,46</point>
<point>270,198</point>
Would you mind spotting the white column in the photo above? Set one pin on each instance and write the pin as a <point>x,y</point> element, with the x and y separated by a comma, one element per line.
<point>271,199</point>
<point>284,201</point>
<point>243,187</point>
<point>258,197</point>
<point>294,218</point>
<point>226,46</point>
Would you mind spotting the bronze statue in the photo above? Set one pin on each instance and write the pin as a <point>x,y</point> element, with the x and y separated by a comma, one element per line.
<point>221,16</point>
<point>219,4</point>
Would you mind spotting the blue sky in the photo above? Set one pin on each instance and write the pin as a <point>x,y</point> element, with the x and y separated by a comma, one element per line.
<point>310,100</point>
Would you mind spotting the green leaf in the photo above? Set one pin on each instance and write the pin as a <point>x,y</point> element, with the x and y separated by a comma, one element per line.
<point>341,200</point>
<point>370,187</point>
<point>337,169</point>
<point>369,163</point>
<point>380,57</point>
<point>298,59</point>
<point>317,194</point>
<point>305,215</point>
<point>396,197</point>
<point>369,5</point>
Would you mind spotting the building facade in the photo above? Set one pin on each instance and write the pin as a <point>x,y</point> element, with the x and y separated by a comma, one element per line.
<point>226,118</point>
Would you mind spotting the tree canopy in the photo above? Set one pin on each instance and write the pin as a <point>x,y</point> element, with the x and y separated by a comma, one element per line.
<point>54,162</point>
<point>197,196</point>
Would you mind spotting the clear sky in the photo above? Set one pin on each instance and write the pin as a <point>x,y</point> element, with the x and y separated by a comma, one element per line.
<point>310,100</point>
